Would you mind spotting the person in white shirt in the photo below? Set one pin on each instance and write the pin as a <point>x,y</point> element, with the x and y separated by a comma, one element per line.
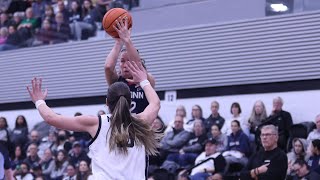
<point>121,140</point>
<point>315,134</point>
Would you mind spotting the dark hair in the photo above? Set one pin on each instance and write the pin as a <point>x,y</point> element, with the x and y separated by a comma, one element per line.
<point>236,121</point>
<point>24,124</point>
<point>25,163</point>
<point>123,126</point>
<point>85,175</point>
<point>316,143</point>
<point>237,105</point>
<point>60,163</point>
<point>78,114</point>
<point>216,126</point>
<point>163,126</point>
<point>301,162</point>
<point>5,121</point>
<point>23,152</point>
<point>86,11</point>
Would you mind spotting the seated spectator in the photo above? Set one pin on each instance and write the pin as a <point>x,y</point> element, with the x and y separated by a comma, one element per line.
<point>84,171</point>
<point>32,155</point>
<point>214,118</point>
<point>4,20</point>
<point>208,168</point>
<point>71,173</point>
<point>158,125</point>
<point>77,154</point>
<point>38,8</point>
<point>196,114</point>
<point>60,7</point>
<point>3,35</point>
<point>283,120</point>
<point>45,35</point>
<point>299,151</point>
<point>87,17</point>
<point>36,171</point>
<point>47,163</point>
<point>270,162</point>
<point>49,14</point>
<point>315,134</point>
<point>258,115</point>
<point>216,176</point>
<point>60,166</point>
<point>222,139</point>
<point>23,173</point>
<point>189,152</point>
<point>61,28</point>
<point>236,115</point>
<point>5,133</point>
<point>18,157</point>
<point>303,172</point>
<point>238,148</point>
<point>13,40</point>
<point>27,26</point>
<point>33,138</point>
<point>180,111</point>
<point>17,18</point>
<point>20,131</point>
<point>314,160</point>
<point>174,140</point>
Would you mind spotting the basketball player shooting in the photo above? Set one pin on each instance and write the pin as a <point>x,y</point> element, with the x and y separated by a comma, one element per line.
<point>121,140</point>
<point>128,53</point>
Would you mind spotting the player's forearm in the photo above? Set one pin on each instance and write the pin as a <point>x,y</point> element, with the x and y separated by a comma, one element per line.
<point>9,174</point>
<point>112,57</point>
<point>132,51</point>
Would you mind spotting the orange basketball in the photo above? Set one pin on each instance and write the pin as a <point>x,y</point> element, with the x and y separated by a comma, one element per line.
<point>110,18</point>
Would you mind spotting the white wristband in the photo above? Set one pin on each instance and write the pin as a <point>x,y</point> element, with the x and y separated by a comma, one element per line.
<point>39,102</point>
<point>144,83</point>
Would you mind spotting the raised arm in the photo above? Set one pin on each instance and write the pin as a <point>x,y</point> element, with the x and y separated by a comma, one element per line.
<point>139,75</point>
<point>79,123</point>
<point>111,61</point>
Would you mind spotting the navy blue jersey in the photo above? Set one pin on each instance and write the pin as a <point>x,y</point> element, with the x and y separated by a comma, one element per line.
<point>138,99</point>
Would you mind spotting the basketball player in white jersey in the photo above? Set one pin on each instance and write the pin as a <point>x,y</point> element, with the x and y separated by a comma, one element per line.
<point>120,141</point>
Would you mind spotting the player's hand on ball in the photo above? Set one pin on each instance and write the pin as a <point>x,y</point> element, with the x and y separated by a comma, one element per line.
<point>137,71</point>
<point>122,29</point>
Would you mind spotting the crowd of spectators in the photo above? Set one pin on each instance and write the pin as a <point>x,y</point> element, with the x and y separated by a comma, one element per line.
<point>188,149</point>
<point>28,23</point>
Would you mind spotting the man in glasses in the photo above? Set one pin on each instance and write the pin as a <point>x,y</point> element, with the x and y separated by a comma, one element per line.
<point>268,163</point>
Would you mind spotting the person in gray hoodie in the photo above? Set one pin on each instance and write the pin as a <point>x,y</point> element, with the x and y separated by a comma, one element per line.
<point>298,151</point>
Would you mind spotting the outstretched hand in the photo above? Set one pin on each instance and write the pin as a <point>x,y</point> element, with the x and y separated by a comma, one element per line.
<point>122,28</point>
<point>36,93</point>
<point>137,71</point>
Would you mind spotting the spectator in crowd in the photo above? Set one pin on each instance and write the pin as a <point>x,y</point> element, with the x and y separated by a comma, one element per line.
<point>48,142</point>
<point>43,129</point>
<point>299,151</point>
<point>173,141</point>
<point>214,118</point>
<point>84,172</point>
<point>236,112</point>
<point>71,173</point>
<point>189,152</point>
<point>5,166</point>
<point>77,154</point>
<point>49,14</point>
<point>28,25</point>
<point>303,172</point>
<point>23,173</point>
<point>196,114</point>
<point>13,40</point>
<point>4,5</point>
<point>216,176</point>
<point>180,111</point>
<point>158,125</point>
<point>4,20</point>
<point>17,18</point>
<point>62,142</point>
<point>3,35</point>
<point>5,133</point>
<point>268,163</point>
<point>315,134</point>
<point>222,139</point>
<point>208,168</point>
<point>45,35</point>
<point>88,25</point>
<point>63,10</point>
<point>283,120</point>
<point>238,148</point>
<point>258,115</point>
<point>38,8</point>
<point>47,163</point>
<point>34,138</point>
<point>20,131</point>
<point>18,157</point>
<point>60,166</point>
<point>32,155</point>
<point>61,28</point>
<point>314,160</point>
<point>37,171</point>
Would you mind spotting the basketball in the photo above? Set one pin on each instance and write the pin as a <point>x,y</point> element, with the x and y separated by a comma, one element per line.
<point>109,20</point>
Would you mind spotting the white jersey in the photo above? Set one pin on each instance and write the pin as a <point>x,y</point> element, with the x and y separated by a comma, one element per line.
<point>111,165</point>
